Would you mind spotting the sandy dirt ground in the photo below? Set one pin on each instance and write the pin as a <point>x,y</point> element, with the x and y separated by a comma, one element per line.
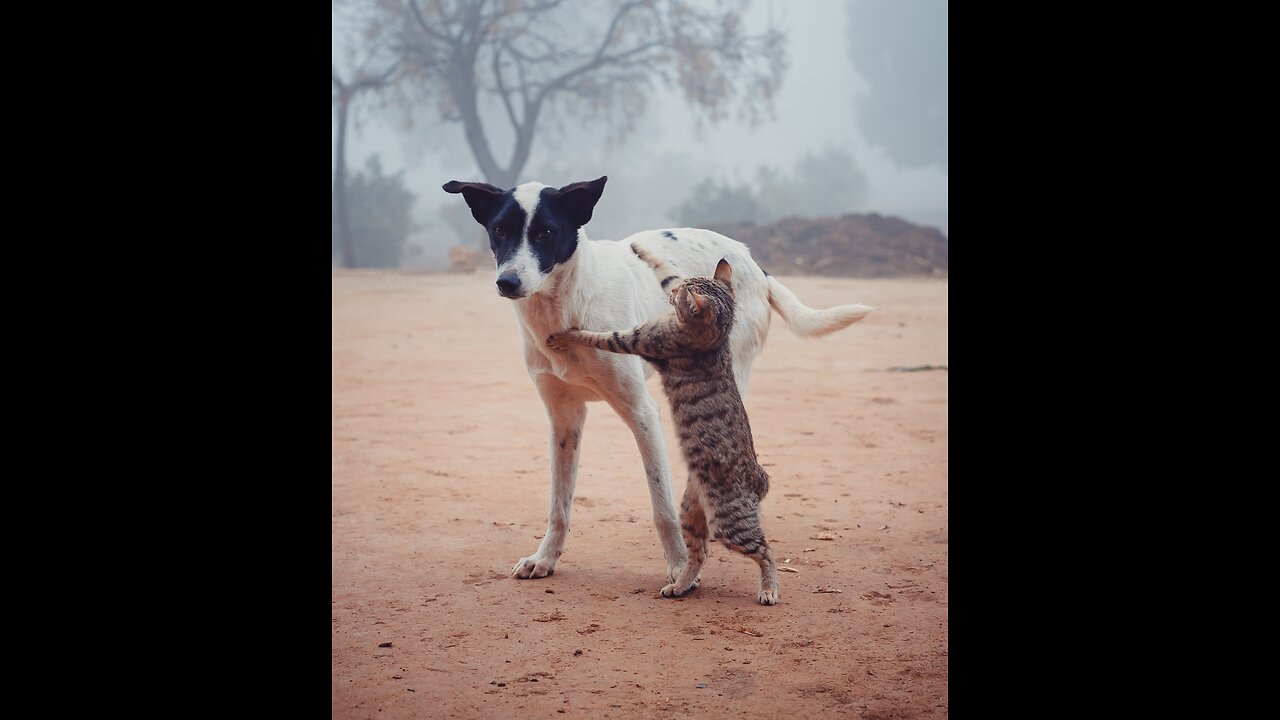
<point>440,483</point>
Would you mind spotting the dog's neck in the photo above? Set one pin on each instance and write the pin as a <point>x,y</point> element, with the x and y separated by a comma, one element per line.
<point>554,301</point>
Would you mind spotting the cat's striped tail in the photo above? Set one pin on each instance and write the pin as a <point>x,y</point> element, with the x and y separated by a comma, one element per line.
<point>661,267</point>
<point>806,321</point>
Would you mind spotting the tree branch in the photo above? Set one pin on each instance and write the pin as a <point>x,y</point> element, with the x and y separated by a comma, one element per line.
<point>369,82</point>
<point>552,53</point>
<point>613,25</point>
<point>487,21</point>
<point>491,20</point>
<point>422,23</point>
<point>537,7</point>
<point>502,90</point>
<point>471,24</point>
<point>561,81</point>
<point>369,57</point>
<point>524,84</point>
<point>384,77</point>
<point>599,59</point>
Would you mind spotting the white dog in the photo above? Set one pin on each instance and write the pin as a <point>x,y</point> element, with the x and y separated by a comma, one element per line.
<point>559,279</point>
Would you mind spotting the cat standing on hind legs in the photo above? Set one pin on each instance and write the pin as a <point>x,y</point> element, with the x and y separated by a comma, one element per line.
<point>726,482</point>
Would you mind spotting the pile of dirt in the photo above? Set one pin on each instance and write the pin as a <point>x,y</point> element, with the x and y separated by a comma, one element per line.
<point>852,245</point>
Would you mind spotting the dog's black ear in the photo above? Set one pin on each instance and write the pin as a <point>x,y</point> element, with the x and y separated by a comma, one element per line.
<point>482,198</point>
<point>577,200</point>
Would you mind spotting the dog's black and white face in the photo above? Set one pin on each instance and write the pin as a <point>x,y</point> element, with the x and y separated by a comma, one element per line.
<point>532,228</point>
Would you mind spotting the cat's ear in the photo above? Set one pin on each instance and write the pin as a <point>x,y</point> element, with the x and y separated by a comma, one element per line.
<point>697,302</point>
<point>724,273</point>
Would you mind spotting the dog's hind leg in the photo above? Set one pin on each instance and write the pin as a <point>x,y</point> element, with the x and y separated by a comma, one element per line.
<point>567,414</point>
<point>637,409</point>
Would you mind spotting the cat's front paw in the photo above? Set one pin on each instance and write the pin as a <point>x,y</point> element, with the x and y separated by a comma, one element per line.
<point>560,340</point>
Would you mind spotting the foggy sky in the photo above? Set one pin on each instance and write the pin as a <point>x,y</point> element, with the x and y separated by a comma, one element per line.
<point>662,159</point>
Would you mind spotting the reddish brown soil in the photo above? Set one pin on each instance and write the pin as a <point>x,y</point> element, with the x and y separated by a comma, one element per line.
<point>440,483</point>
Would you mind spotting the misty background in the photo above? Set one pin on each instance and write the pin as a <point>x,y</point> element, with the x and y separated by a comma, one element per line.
<point>857,121</point>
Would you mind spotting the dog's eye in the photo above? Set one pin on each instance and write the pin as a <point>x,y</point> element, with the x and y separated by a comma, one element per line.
<point>500,231</point>
<point>543,235</point>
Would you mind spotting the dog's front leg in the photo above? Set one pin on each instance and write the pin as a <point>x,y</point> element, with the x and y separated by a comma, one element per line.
<point>567,415</point>
<point>634,405</point>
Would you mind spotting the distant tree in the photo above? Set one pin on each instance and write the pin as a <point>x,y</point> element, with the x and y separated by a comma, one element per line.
<point>371,70</point>
<point>900,47</point>
<point>713,202</point>
<point>588,61</point>
<point>823,184</point>
<point>775,194</point>
<point>380,215</point>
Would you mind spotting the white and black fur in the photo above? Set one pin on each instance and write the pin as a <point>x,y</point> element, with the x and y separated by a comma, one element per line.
<point>559,279</point>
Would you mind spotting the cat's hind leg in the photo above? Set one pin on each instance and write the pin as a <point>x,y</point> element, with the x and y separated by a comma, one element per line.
<point>693,523</point>
<point>737,525</point>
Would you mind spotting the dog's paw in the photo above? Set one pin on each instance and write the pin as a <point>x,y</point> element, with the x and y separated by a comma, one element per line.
<point>674,572</point>
<point>533,567</point>
<point>674,590</point>
<point>768,596</point>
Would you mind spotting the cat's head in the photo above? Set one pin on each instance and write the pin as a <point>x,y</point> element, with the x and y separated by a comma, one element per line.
<point>706,302</point>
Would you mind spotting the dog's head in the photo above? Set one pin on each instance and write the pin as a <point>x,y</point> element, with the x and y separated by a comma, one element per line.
<point>531,228</point>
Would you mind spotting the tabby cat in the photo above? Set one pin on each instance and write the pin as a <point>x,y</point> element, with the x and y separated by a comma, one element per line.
<point>726,484</point>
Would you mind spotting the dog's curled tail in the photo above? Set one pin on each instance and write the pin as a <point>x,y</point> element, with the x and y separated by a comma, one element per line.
<point>806,321</point>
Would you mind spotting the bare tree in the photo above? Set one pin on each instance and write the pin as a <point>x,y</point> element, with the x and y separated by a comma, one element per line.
<point>363,78</point>
<point>588,60</point>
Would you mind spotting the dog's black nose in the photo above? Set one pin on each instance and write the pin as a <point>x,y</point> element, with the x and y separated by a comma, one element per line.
<point>508,284</point>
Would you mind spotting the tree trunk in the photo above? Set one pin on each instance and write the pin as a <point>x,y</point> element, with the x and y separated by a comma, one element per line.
<point>340,183</point>
<point>464,95</point>
<point>524,142</point>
